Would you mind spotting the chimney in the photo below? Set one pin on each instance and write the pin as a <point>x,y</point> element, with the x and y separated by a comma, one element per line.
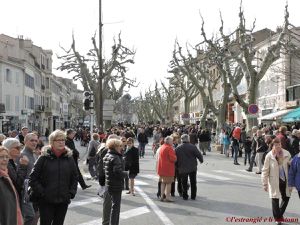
<point>21,41</point>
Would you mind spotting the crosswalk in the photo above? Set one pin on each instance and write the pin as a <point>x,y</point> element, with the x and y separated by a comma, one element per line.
<point>213,175</point>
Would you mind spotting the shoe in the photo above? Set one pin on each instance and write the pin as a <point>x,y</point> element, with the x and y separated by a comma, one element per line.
<point>185,198</point>
<point>248,170</point>
<point>133,194</point>
<point>258,172</point>
<point>87,186</point>
<point>236,163</point>
<point>193,198</point>
<point>168,200</point>
<point>128,192</point>
<point>173,195</point>
<point>162,199</point>
<point>204,153</point>
<point>158,196</point>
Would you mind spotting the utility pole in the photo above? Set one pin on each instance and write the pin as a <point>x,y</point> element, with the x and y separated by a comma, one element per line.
<point>100,68</point>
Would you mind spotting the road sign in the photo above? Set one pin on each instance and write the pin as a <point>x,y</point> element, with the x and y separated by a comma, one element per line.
<point>253,109</point>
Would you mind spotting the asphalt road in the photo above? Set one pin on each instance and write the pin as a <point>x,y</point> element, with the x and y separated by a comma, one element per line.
<point>227,194</point>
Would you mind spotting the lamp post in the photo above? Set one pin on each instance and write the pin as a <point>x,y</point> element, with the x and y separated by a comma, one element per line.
<point>100,69</point>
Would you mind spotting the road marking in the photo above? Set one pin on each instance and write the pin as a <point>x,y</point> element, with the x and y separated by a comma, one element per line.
<point>84,202</point>
<point>234,174</point>
<point>134,212</point>
<point>212,176</point>
<point>149,176</point>
<point>123,215</point>
<point>154,207</point>
<point>140,183</point>
<point>155,177</point>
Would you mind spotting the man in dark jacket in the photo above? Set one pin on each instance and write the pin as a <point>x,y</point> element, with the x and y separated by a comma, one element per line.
<point>71,145</point>
<point>253,148</point>
<point>114,174</point>
<point>143,140</point>
<point>187,155</point>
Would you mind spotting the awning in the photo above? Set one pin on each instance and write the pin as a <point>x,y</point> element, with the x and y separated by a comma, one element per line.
<point>275,115</point>
<point>292,116</point>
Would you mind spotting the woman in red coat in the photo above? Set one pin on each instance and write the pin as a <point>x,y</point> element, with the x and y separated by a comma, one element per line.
<point>166,168</point>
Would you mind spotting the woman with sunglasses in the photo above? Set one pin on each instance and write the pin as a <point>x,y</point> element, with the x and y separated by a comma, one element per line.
<point>10,213</point>
<point>17,174</point>
<point>54,180</point>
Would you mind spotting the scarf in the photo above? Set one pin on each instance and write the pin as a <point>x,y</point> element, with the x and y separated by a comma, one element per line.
<point>4,173</point>
<point>58,153</point>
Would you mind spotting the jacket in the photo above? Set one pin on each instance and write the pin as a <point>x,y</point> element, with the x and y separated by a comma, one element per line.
<point>17,175</point>
<point>93,148</point>
<point>142,138</point>
<point>114,171</point>
<point>132,160</point>
<point>54,179</point>
<point>261,145</point>
<point>294,173</point>
<point>270,174</point>
<point>8,205</point>
<point>71,145</point>
<point>187,155</point>
<point>166,161</point>
<point>100,165</point>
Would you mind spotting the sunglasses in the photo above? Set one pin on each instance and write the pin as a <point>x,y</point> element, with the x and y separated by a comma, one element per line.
<point>2,157</point>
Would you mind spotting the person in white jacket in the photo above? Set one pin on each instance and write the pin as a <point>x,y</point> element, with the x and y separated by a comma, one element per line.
<point>275,179</point>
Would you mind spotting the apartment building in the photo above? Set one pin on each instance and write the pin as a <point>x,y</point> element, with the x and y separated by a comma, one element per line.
<point>30,94</point>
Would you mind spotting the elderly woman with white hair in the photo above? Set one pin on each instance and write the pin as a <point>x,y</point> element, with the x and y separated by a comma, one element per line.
<point>17,174</point>
<point>166,168</point>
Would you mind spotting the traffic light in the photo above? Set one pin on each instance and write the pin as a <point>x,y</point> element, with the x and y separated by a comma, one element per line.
<point>87,101</point>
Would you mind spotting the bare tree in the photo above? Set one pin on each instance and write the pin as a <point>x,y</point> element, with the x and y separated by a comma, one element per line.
<point>111,84</point>
<point>243,51</point>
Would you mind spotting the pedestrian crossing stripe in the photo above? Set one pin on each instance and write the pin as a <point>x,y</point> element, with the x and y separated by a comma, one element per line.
<point>84,202</point>
<point>234,174</point>
<point>202,174</point>
<point>123,215</point>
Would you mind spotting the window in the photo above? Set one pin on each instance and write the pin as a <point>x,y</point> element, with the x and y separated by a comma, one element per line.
<point>38,80</point>
<point>47,82</point>
<point>7,103</point>
<point>8,76</point>
<point>18,78</point>
<point>31,103</point>
<point>29,81</point>
<point>17,104</point>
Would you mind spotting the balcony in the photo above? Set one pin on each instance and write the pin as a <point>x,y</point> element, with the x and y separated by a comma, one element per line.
<point>47,109</point>
<point>39,108</point>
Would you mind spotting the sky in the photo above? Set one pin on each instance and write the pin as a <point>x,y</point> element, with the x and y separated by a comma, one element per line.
<point>149,27</point>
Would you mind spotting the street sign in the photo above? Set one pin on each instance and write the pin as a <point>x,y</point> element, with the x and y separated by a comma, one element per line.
<point>253,109</point>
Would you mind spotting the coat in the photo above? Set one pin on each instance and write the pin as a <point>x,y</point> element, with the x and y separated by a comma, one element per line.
<point>132,160</point>
<point>187,155</point>
<point>114,171</point>
<point>166,161</point>
<point>270,174</point>
<point>54,180</point>
<point>8,205</point>
<point>294,173</point>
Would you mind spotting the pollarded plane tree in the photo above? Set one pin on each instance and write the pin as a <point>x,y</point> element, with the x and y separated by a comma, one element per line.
<point>111,83</point>
<point>243,51</point>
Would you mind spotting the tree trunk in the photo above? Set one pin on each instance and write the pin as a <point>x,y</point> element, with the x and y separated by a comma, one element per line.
<point>187,102</point>
<point>252,97</point>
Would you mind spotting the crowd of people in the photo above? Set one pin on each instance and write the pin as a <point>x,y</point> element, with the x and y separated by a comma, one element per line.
<point>38,182</point>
